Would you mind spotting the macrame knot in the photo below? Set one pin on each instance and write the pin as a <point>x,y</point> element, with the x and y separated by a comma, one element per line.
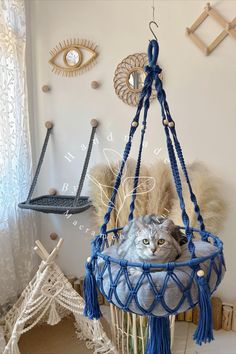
<point>99,278</point>
<point>158,297</point>
<point>170,267</point>
<point>186,293</point>
<point>123,263</point>
<point>146,268</point>
<point>155,70</point>
<point>133,292</point>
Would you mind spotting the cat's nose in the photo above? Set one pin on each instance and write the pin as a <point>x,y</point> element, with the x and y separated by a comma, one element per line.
<point>153,250</point>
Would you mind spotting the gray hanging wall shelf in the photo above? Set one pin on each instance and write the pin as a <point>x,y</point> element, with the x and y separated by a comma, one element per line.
<point>60,204</point>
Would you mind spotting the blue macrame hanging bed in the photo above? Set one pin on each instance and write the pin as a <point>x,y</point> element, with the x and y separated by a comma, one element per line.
<point>157,290</point>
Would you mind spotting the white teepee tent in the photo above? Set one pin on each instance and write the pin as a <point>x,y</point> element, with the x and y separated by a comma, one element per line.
<point>48,298</point>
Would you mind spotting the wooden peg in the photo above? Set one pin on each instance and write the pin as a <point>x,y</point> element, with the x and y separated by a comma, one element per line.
<point>208,7</point>
<point>52,191</point>
<point>227,27</point>
<point>188,31</point>
<point>95,84</point>
<point>42,248</point>
<point>94,123</point>
<point>39,253</point>
<point>46,88</point>
<point>53,236</point>
<point>48,124</point>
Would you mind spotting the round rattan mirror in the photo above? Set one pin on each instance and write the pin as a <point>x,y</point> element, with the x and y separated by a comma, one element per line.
<point>129,78</point>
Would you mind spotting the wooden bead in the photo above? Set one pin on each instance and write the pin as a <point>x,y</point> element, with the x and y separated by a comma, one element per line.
<point>134,124</point>
<point>46,88</point>
<point>52,191</point>
<point>207,52</point>
<point>208,6</point>
<point>200,273</point>
<point>94,123</point>
<point>48,125</point>
<point>171,124</point>
<point>188,30</point>
<point>165,122</point>
<point>53,236</point>
<point>95,84</point>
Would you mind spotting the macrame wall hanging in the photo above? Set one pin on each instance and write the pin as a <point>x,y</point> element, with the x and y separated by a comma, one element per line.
<point>156,290</point>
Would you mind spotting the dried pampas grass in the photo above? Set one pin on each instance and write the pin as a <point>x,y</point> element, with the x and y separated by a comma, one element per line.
<point>156,194</point>
<point>208,190</point>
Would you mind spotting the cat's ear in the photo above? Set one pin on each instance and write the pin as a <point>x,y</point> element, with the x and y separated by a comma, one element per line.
<point>179,236</point>
<point>138,225</point>
<point>167,225</point>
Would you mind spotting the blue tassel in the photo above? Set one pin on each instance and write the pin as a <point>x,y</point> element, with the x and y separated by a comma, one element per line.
<point>204,331</point>
<point>159,336</point>
<point>91,309</point>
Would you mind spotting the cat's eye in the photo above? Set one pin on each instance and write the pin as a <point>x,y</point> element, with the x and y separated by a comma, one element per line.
<point>72,57</point>
<point>145,241</point>
<point>161,241</point>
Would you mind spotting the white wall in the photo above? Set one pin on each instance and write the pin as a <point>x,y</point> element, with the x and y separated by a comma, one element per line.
<point>201,94</point>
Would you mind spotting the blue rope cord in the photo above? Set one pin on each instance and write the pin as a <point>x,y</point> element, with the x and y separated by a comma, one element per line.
<point>161,95</point>
<point>132,131</point>
<point>138,166</point>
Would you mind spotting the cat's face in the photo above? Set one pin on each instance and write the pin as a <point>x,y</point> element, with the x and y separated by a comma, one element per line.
<point>154,242</point>
<point>150,239</point>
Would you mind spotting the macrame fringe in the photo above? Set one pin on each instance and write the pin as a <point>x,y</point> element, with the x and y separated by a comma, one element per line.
<point>53,317</point>
<point>159,336</point>
<point>12,346</point>
<point>91,308</point>
<point>204,331</point>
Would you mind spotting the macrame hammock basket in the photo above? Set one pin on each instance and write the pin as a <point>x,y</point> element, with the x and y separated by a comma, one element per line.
<point>156,290</point>
<point>60,204</point>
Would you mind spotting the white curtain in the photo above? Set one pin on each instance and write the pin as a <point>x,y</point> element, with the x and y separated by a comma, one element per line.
<point>17,228</point>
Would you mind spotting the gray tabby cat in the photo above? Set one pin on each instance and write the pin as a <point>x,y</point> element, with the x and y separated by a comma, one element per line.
<point>151,239</point>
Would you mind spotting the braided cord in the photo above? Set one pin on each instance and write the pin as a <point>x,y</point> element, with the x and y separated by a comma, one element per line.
<point>144,124</point>
<point>85,167</point>
<point>42,154</point>
<point>133,128</point>
<point>161,95</point>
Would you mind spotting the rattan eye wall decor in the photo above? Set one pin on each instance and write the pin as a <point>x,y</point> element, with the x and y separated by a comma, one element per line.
<point>72,57</point>
<point>129,78</point>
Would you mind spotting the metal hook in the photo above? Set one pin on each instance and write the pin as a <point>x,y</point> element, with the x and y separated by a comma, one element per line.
<point>150,27</point>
